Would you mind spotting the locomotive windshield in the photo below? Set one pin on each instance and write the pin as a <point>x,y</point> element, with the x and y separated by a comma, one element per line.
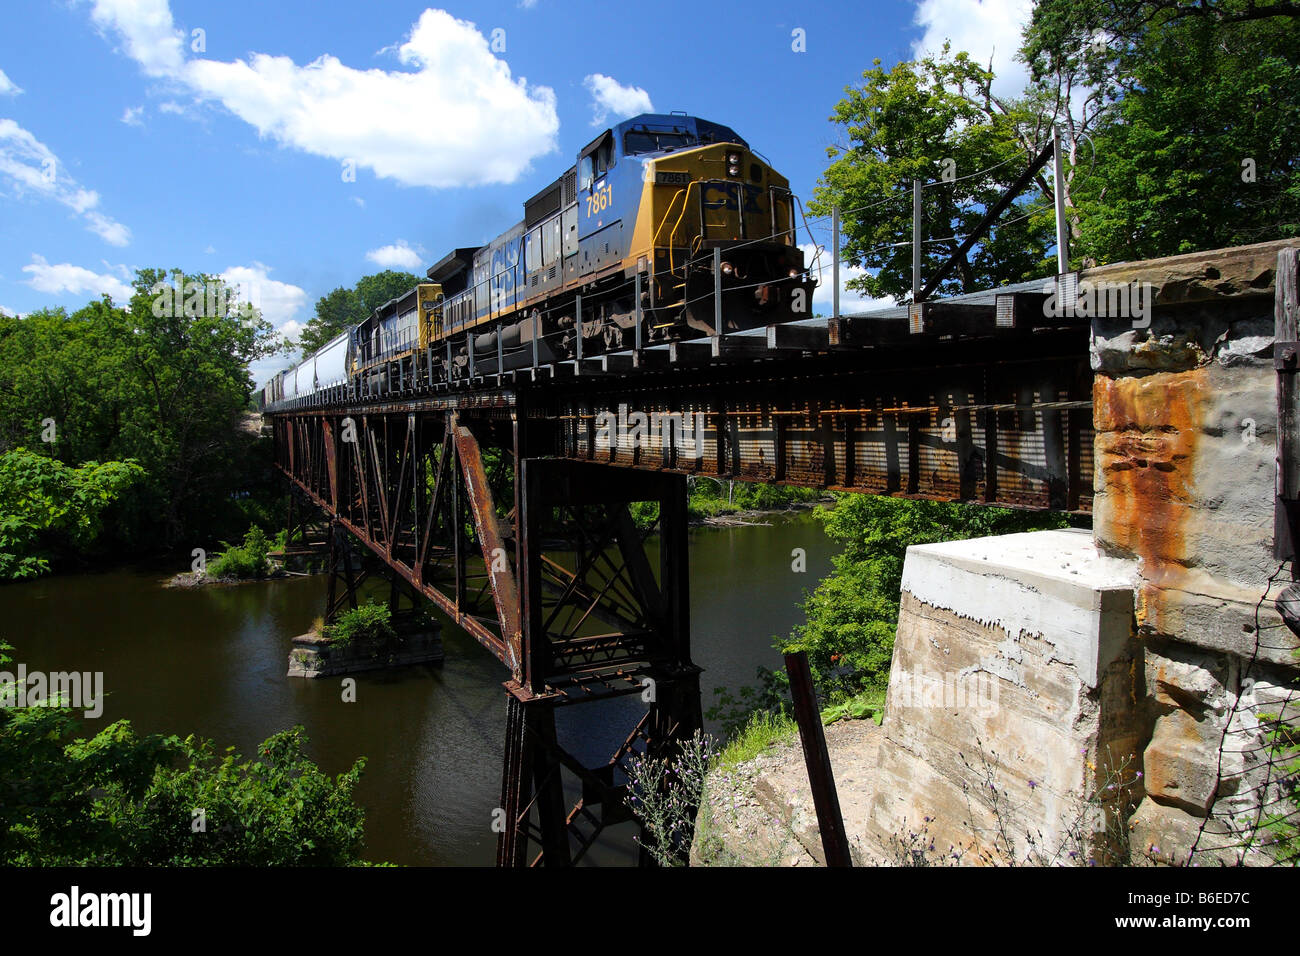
<point>656,141</point>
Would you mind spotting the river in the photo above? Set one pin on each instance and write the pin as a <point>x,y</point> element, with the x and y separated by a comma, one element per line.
<point>212,662</point>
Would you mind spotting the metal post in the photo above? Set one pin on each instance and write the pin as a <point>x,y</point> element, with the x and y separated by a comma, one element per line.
<point>577,311</point>
<point>1058,190</point>
<point>501,354</point>
<point>835,262</point>
<point>469,345</point>
<point>916,240</point>
<point>636,312</point>
<point>536,333</point>
<point>1286,363</point>
<point>717,291</point>
<point>448,375</point>
<point>826,801</point>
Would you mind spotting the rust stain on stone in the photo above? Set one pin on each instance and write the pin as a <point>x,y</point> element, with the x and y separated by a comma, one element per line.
<point>1147,433</point>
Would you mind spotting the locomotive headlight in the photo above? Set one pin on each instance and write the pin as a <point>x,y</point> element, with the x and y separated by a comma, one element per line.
<point>793,273</point>
<point>733,171</point>
<point>728,269</point>
<point>733,164</point>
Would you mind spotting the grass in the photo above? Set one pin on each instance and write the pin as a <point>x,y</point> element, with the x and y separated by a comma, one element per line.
<point>763,730</point>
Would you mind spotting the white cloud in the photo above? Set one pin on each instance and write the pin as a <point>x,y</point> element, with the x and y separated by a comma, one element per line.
<point>131,116</point>
<point>489,126</point>
<point>359,201</point>
<point>399,255</point>
<point>169,106</point>
<point>65,278</point>
<point>278,301</point>
<point>983,28</point>
<point>609,97</point>
<point>7,87</point>
<point>147,31</point>
<point>30,166</point>
<point>852,302</point>
<point>9,312</point>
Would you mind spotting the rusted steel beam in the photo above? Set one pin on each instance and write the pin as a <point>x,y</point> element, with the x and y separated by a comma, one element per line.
<point>482,508</point>
<point>459,615</point>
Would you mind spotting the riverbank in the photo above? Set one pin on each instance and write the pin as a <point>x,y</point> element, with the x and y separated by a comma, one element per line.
<point>747,517</point>
<point>760,812</point>
<point>201,579</point>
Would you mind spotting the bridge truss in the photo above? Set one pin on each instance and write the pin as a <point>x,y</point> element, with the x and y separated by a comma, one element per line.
<point>509,499</point>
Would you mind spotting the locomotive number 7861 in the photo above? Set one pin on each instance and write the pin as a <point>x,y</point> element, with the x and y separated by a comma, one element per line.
<point>600,200</point>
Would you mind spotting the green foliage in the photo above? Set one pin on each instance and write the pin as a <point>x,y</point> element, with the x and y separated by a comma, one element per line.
<point>147,381</point>
<point>337,310</point>
<point>708,498</point>
<point>903,124</point>
<point>244,561</point>
<point>368,622</point>
<point>1193,98</point>
<point>46,506</point>
<point>121,799</point>
<point>869,703</point>
<point>1176,127</point>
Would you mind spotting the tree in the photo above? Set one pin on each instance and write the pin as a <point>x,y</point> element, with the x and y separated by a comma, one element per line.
<point>337,310</point>
<point>1197,140</point>
<point>163,381</point>
<point>936,120</point>
<point>122,799</point>
<point>375,290</point>
<point>45,504</point>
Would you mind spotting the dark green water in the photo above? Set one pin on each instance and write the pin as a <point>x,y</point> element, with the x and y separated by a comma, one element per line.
<point>213,662</point>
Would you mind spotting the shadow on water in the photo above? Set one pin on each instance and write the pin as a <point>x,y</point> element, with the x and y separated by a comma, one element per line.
<point>212,662</point>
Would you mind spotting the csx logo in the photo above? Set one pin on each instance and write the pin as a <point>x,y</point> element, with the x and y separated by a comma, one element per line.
<point>725,196</point>
<point>600,199</point>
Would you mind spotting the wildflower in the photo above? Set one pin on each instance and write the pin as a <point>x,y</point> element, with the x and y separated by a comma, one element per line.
<point>1032,784</point>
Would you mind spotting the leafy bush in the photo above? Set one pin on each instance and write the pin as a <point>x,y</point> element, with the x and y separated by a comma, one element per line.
<point>120,799</point>
<point>369,622</point>
<point>244,561</point>
<point>48,508</point>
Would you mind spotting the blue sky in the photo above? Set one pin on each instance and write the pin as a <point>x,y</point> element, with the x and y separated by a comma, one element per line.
<point>294,146</point>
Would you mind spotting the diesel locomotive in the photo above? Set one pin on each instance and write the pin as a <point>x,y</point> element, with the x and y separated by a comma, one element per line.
<point>667,227</point>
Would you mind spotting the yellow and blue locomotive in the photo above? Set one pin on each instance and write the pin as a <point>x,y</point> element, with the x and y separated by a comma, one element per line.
<point>673,209</point>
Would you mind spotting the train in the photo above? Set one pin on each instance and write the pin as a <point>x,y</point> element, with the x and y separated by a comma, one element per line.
<point>667,227</point>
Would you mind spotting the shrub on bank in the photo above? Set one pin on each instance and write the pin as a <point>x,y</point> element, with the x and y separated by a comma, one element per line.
<point>369,622</point>
<point>244,561</point>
